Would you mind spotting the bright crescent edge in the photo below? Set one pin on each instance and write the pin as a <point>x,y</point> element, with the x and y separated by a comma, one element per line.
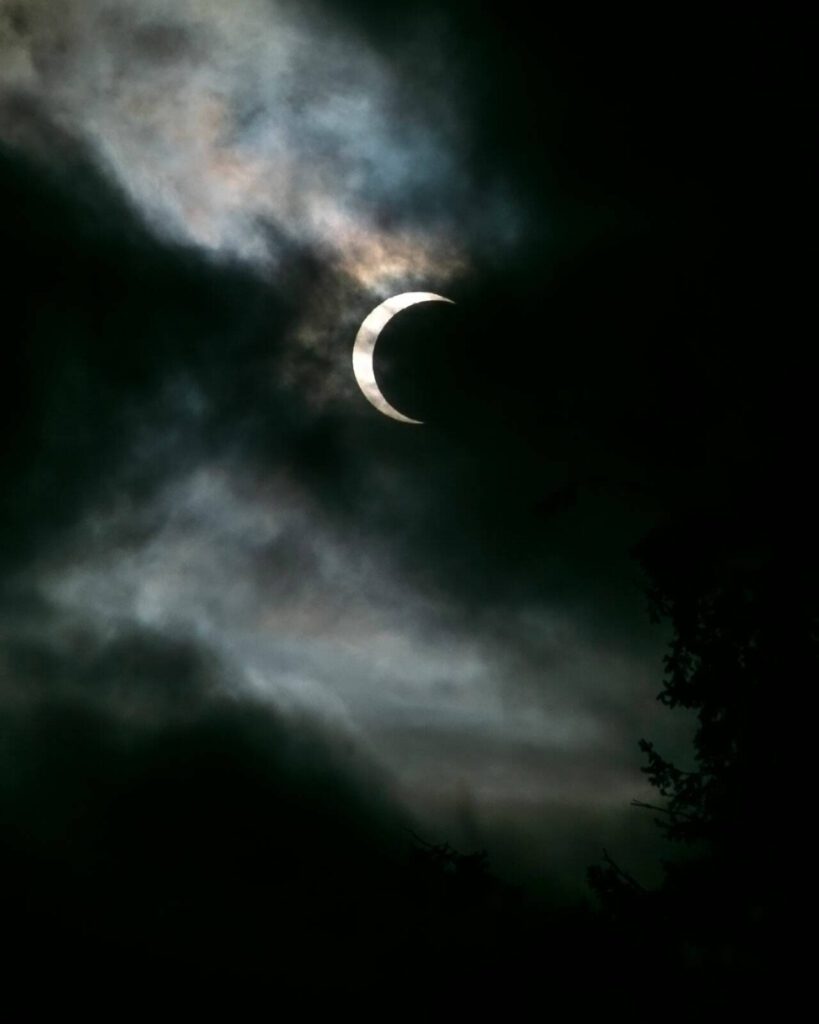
<point>364,348</point>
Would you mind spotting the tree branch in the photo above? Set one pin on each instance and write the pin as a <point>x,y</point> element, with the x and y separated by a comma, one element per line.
<point>622,874</point>
<point>664,810</point>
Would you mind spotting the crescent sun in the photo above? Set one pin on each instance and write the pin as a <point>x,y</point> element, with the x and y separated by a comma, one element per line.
<point>364,348</point>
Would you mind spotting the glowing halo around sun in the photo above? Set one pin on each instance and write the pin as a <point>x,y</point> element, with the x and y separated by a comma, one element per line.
<point>364,348</point>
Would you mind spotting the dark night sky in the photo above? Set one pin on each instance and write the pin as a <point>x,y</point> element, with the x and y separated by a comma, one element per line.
<point>229,581</point>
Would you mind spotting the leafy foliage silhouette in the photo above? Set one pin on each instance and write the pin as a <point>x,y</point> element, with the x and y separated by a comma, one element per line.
<point>743,610</point>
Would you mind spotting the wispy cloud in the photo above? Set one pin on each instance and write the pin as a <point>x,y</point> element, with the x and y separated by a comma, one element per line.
<point>221,121</point>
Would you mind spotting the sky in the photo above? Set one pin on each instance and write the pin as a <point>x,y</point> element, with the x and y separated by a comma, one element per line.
<point>204,520</point>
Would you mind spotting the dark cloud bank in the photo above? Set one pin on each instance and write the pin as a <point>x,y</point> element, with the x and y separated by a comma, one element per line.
<point>217,742</point>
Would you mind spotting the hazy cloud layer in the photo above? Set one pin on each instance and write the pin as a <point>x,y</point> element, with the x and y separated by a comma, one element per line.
<point>519,705</point>
<point>198,472</point>
<point>244,126</point>
<point>257,129</point>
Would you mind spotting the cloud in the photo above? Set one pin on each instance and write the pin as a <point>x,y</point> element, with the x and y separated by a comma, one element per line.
<point>153,818</point>
<point>219,121</point>
<point>257,132</point>
<point>196,226</point>
<point>318,617</point>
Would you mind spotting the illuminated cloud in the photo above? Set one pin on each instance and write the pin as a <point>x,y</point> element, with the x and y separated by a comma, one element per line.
<point>247,127</point>
<point>320,620</point>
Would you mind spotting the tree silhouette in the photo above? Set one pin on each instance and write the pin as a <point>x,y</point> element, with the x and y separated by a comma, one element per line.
<point>741,601</point>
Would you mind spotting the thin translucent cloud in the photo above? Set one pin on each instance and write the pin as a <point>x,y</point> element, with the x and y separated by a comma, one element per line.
<point>222,121</point>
